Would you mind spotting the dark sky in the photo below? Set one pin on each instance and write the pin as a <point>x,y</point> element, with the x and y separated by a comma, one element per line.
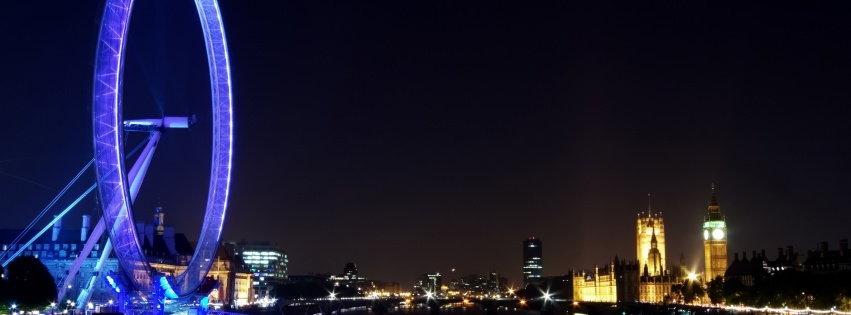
<point>420,136</point>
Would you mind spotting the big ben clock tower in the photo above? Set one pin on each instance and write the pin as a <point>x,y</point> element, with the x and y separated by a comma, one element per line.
<point>714,241</point>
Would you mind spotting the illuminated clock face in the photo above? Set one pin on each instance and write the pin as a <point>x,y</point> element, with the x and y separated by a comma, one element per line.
<point>717,234</point>
<point>706,234</point>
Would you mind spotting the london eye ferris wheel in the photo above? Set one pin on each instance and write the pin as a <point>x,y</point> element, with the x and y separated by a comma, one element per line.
<point>118,186</point>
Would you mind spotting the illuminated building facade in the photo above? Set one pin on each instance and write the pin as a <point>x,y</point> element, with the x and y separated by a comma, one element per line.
<point>650,242</point>
<point>657,289</point>
<point>434,283</point>
<point>596,287</point>
<point>170,253</point>
<point>645,279</point>
<point>532,260</point>
<point>714,241</point>
<point>57,250</point>
<point>265,261</point>
<point>655,281</point>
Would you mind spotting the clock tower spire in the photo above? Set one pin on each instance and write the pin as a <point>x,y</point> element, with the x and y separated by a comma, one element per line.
<point>714,240</point>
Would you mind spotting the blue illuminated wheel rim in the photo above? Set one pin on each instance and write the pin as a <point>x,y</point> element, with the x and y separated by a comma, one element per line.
<point>113,187</point>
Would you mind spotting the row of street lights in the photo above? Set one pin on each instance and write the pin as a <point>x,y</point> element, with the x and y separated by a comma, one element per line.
<point>70,303</point>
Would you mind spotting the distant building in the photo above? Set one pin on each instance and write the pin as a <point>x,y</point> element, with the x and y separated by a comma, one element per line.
<point>350,271</point>
<point>430,284</point>
<point>745,270</point>
<point>628,277</point>
<point>532,260</point>
<point>478,285</point>
<point>646,279</point>
<point>169,252</point>
<point>824,260</point>
<point>435,282</point>
<point>654,280</point>
<point>58,249</point>
<point>650,241</point>
<point>787,258</point>
<point>265,261</point>
<point>597,286</point>
<point>820,261</point>
<point>384,288</point>
<point>165,250</point>
<point>714,241</point>
<point>350,283</point>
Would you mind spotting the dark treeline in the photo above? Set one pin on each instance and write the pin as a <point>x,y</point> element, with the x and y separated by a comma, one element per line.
<point>793,289</point>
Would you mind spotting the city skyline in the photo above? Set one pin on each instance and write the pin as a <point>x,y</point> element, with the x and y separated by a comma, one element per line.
<point>419,137</point>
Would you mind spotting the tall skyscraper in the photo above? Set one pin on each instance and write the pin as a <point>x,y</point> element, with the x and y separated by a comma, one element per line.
<point>532,260</point>
<point>714,241</point>
<point>650,242</point>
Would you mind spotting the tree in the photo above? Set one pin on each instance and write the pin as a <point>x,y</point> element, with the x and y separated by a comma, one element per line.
<point>734,291</point>
<point>843,303</point>
<point>677,292</point>
<point>715,290</point>
<point>6,297</point>
<point>34,287</point>
<point>692,290</point>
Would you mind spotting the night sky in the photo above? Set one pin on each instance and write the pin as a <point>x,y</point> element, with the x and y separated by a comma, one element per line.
<point>421,136</point>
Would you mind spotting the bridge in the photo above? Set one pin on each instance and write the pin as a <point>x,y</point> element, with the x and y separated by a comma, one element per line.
<point>435,305</point>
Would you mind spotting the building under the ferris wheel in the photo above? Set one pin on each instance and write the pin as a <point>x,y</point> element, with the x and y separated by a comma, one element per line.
<point>168,251</point>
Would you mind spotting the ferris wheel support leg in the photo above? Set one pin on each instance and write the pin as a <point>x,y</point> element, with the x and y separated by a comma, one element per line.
<point>140,167</point>
<point>86,293</point>
<point>137,173</point>
<point>78,262</point>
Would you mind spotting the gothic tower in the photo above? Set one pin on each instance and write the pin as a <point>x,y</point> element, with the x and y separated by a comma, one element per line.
<point>714,241</point>
<point>650,226</point>
<point>654,257</point>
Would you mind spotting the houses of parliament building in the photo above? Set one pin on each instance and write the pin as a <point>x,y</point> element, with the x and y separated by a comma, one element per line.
<point>648,277</point>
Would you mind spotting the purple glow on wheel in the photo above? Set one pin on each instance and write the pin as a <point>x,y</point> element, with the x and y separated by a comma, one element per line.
<point>113,186</point>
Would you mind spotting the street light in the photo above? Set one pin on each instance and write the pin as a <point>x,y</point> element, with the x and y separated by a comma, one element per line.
<point>692,276</point>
